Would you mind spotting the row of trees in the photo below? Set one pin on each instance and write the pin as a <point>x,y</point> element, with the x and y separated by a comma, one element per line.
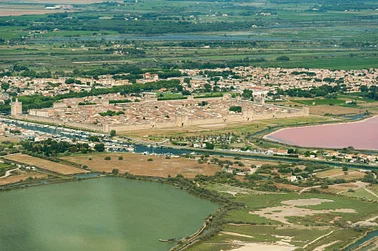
<point>124,71</point>
<point>370,92</point>
<point>321,91</point>
<point>52,148</point>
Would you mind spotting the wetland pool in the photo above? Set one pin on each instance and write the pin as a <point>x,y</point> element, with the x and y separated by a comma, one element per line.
<point>362,135</point>
<point>99,214</point>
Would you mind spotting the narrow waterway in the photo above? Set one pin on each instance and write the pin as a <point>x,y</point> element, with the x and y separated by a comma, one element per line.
<point>368,237</point>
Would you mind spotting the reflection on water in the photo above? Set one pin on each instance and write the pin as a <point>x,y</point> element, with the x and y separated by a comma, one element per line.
<point>86,175</point>
<point>355,117</point>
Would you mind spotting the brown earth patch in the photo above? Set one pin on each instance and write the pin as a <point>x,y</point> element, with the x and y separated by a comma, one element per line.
<point>20,177</point>
<point>339,173</point>
<point>9,138</point>
<point>339,188</point>
<point>44,164</point>
<point>336,110</point>
<point>241,178</point>
<point>13,10</point>
<point>281,212</point>
<point>138,164</point>
<point>287,186</point>
<point>305,202</point>
<point>249,162</point>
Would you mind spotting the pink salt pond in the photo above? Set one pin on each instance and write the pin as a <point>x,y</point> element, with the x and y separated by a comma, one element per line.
<point>361,135</point>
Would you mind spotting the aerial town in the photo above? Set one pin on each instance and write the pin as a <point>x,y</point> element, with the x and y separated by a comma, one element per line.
<point>255,78</point>
<point>102,114</point>
<point>146,114</point>
<point>188,125</point>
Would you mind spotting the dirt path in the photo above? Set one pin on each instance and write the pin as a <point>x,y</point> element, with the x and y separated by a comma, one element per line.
<point>369,222</point>
<point>342,174</point>
<point>372,218</point>
<point>359,184</point>
<point>307,189</point>
<point>8,173</point>
<point>308,244</point>
<point>237,234</point>
<point>371,192</point>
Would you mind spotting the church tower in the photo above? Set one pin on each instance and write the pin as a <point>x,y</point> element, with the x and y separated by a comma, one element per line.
<point>16,108</point>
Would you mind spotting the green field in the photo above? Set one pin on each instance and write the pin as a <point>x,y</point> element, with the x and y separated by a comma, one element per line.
<point>330,227</point>
<point>361,193</point>
<point>324,101</point>
<point>188,34</point>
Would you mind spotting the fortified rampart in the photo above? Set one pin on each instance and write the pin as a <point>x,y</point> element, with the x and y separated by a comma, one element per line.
<point>60,122</point>
<point>186,122</point>
<point>183,114</point>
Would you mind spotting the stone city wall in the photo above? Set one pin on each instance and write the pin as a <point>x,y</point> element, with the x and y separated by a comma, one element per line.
<point>181,122</point>
<point>59,122</point>
<point>186,122</point>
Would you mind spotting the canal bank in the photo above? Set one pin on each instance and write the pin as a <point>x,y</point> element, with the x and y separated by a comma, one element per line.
<point>362,241</point>
<point>186,150</point>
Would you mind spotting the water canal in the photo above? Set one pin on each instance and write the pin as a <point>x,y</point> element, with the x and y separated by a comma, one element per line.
<point>363,240</point>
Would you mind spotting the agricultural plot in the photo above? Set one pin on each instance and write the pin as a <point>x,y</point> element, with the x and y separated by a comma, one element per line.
<point>24,9</point>
<point>44,164</point>
<point>169,34</point>
<point>338,173</point>
<point>21,177</point>
<point>324,101</point>
<point>335,110</point>
<point>145,165</point>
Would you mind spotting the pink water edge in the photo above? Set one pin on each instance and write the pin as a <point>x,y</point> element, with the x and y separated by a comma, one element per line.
<point>361,135</point>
